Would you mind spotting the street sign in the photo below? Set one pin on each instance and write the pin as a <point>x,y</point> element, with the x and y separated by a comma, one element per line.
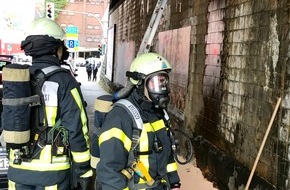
<point>73,44</point>
<point>9,47</point>
<point>72,37</point>
<point>71,30</point>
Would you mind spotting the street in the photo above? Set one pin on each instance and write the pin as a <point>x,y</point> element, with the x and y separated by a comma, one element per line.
<point>91,90</point>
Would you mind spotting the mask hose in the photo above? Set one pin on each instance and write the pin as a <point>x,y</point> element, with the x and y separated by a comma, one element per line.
<point>175,142</point>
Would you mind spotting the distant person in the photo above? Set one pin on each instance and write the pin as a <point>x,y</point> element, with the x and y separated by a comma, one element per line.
<point>89,70</point>
<point>95,70</point>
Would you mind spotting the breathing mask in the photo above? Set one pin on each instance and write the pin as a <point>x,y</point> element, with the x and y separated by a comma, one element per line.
<point>157,85</point>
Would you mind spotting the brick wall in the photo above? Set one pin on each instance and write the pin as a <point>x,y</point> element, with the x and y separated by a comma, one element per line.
<point>238,68</point>
<point>88,26</point>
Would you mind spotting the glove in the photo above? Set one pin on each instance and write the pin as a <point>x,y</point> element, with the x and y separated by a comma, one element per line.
<point>85,183</point>
<point>76,181</point>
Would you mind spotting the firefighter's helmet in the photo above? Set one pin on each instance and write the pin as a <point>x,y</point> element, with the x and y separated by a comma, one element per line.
<point>151,70</point>
<point>146,64</point>
<point>44,36</point>
<point>46,26</point>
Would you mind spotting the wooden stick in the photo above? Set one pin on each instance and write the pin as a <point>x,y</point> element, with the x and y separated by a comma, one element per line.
<point>263,143</point>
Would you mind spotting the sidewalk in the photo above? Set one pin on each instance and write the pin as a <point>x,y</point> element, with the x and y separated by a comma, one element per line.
<point>191,176</point>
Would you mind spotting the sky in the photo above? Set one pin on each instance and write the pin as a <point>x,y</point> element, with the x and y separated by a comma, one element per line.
<point>15,15</point>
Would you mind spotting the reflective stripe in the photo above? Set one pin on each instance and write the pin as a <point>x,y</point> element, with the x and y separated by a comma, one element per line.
<point>157,125</point>
<point>171,167</point>
<point>116,133</point>
<point>127,188</point>
<point>40,166</point>
<point>51,112</point>
<point>143,144</point>
<point>59,159</point>
<point>81,156</point>
<point>54,187</point>
<point>11,185</point>
<point>78,100</point>
<point>88,174</point>
<point>44,163</point>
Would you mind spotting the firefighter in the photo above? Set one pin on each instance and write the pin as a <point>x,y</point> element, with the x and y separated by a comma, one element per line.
<point>150,95</point>
<point>62,157</point>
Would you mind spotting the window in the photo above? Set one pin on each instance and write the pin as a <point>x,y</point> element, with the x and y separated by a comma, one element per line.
<point>96,39</point>
<point>97,27</point>
<point>95,1</point>
<point>89,39</point>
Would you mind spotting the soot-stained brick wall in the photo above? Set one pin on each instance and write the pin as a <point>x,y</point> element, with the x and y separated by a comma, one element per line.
<point>238,67</point>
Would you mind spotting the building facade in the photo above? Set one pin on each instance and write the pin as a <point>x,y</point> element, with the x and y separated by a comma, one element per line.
<point>231,66</point>
<point>88,17</point>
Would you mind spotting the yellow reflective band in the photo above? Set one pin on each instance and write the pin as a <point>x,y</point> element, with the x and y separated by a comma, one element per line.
<point>155,126</point>
<point>116,133</point>
<point>78,100</point>
<point>60,159</point>
<point>11,185</point>
<point>51,112</point>
<point>81,156</point>
<point>87,174</point>
<point>54,187</point>
<point>44,163</point>
<point>38,166</point>
<point>143,146</point>
<point>171,167</point>
<point>36,136</point>
<point>127,188</point>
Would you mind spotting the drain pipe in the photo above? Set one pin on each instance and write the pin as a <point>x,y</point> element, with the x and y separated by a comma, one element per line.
<point>263,143</point>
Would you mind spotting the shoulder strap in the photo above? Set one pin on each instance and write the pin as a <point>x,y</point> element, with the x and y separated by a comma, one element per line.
<point>48,71</point>
<point>41,75</point>
<point>133,112</point>
<point>137,121</point>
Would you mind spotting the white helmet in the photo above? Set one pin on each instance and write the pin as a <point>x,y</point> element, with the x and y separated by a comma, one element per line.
<point>147,64</point>
<point>46,26</point>
<point>151,69</point>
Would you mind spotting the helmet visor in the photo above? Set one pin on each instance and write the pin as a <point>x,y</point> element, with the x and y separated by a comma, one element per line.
<point>158,83</point>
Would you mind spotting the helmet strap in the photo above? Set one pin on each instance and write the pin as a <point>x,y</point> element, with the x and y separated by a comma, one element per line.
<point>59,52</point>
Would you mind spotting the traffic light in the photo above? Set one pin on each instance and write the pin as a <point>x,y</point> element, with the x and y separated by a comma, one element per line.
<point>100,49</point>
<point>50,10</point>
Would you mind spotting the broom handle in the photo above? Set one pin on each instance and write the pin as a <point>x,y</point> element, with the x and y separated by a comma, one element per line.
<point>263,143</point>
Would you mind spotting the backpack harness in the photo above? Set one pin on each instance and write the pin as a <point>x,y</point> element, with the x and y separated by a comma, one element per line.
<point>22,99</point>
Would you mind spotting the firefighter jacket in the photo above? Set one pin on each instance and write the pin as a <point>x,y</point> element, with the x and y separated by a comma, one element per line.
<point>115,143</point>
<point>50,163</point>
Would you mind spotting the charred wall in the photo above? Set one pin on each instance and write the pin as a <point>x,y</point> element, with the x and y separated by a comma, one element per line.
<point>238,66</point>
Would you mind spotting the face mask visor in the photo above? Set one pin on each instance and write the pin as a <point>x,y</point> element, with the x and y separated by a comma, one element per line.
<point>158,83</point>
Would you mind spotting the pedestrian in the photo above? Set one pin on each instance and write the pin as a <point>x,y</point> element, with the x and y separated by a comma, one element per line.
<point>89,70</point>
<point>150,95</point>
<point>95,70</point>
<point>53,164</point>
